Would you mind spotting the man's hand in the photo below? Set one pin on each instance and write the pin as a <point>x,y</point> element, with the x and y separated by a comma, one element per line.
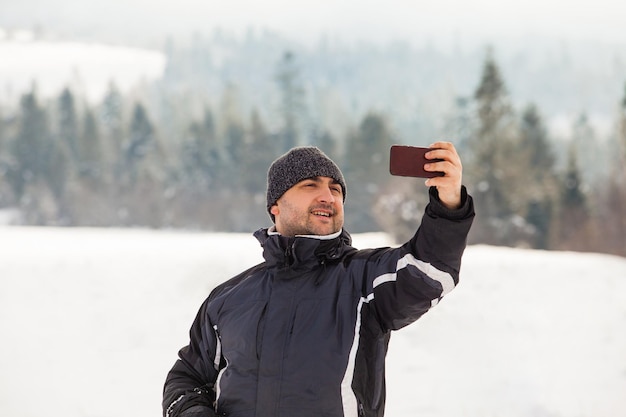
<point>449,185</point>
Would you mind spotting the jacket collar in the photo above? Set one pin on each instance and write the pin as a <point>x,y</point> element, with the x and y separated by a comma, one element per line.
<point>302,251</point>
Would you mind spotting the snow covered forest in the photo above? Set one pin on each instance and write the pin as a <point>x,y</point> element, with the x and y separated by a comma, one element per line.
<point>189,146</point>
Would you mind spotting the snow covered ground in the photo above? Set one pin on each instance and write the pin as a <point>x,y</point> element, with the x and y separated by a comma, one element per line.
<point>91,321</point>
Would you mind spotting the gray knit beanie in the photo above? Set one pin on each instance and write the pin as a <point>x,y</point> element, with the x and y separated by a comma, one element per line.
<point>296,165</point>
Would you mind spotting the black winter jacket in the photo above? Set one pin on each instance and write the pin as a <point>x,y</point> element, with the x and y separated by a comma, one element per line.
<point>305,333</point>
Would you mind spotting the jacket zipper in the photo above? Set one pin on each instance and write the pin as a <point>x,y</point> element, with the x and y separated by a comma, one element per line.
<point>289,252</point>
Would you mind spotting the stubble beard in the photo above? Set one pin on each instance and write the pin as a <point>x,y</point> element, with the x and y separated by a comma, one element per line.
<point>308,224</point>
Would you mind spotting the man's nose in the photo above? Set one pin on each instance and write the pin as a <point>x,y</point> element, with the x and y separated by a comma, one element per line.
<point>326,195</point>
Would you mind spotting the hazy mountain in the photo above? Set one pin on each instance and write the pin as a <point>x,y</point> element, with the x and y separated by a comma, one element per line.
<point>416,64</point>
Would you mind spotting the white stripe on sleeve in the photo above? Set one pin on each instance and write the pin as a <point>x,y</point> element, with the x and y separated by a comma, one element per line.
<point>444,278</point>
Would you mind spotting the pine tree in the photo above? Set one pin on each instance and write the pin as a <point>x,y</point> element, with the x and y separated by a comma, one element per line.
<point>57,172</point>
<point>572,194</point>
<point>540,177</point>
<point>145,178</point>
<point>621,181</point>
<point>3,133</point>
<point>613,222</point>
<point>28,148</point>
<point>234,143</point>
<point>366,170</point>
<point>90,149</point>
<point>622,139</point>
<point>198,175</point>
<point>493,167</point>
<point>574,216</point>
<point>260,151</point>
<point>292,105</point>
<point>232,139</point>
<point>200,156</point>
<point>113,133</point>
<point>68,124</point>
<point>39,174</point>
<point>588,150</point>
<point>140,142</point>
<point>6,163</point>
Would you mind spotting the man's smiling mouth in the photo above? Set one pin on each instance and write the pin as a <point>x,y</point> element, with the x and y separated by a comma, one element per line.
<point>321,213</point>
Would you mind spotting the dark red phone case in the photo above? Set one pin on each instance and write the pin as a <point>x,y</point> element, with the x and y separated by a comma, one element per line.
<point>408,161</point>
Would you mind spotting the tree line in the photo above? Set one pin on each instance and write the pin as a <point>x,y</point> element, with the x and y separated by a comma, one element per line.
<point>126,162</point>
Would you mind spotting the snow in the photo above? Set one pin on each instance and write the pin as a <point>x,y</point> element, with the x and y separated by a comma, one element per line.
<point>90,67</point>
<point>91,321</point>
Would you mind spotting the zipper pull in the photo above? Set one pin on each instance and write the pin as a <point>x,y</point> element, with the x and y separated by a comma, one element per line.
<point>288,255</point>
<point>289,251</point>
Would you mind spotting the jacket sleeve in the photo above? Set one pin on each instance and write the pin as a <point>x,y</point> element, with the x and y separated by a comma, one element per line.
<point>404,283</point>
<point>189,385</point>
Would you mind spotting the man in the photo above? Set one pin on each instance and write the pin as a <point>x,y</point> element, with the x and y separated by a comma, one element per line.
<point>305,333</point>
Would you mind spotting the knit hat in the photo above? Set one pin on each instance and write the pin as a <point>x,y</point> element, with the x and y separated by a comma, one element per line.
<point>299,164</point>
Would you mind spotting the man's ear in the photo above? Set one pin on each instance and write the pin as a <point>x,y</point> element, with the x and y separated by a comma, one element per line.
<point>274,209</point>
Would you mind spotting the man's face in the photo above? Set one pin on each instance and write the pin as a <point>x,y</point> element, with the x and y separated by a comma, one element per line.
<point>311,207</point>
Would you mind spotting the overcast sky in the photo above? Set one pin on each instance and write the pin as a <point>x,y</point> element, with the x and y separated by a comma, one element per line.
<point>412,20</point>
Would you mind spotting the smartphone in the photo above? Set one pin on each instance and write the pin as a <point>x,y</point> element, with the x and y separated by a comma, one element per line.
<point>408,161</point>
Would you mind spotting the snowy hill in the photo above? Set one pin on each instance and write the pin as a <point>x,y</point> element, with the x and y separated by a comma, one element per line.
<point>87,68</point>
<point>91,321</point>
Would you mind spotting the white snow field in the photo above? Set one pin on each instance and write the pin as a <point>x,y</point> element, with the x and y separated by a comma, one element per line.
<point>91,321</point>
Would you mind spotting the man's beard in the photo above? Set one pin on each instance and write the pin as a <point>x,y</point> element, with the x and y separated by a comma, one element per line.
<point>308,224</point>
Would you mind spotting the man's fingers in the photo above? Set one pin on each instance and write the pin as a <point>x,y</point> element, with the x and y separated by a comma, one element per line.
<point>449,186</point>
<point>445,151</point>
